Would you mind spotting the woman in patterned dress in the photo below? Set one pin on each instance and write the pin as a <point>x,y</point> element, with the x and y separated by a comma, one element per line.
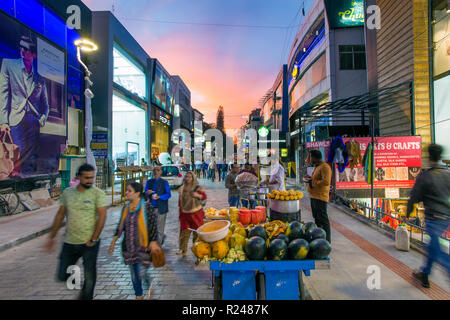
<point>139,225</point>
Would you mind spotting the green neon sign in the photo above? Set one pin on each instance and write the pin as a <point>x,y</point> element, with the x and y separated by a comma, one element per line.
<point>345,13</point>
<point>263,131</point>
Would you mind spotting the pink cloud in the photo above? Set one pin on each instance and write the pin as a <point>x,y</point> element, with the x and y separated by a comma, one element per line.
<point>216,77</point>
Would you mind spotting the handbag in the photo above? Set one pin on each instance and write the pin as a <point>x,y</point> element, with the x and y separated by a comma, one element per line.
<point>202,202</point>
<point>157,257</point>
<point>9,157</point>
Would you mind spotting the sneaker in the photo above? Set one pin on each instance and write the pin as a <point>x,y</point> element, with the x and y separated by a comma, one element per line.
<point>423,278</point>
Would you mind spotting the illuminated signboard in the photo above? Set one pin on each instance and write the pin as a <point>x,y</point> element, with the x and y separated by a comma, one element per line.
<point>284,153</point>
<point>345,13</point>
<point>163,117</point>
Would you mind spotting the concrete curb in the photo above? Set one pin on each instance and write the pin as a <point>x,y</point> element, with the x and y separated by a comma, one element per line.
<point>31,236</point>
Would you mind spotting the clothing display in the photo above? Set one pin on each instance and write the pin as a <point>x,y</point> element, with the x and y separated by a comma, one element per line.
<point>354,153</point>
<point>338,154</point>
<point>367,163</point>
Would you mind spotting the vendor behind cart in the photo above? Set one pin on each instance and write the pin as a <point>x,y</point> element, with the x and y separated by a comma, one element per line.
<point>276,176</point>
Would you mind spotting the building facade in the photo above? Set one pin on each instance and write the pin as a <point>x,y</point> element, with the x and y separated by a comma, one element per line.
<point>121,106</point>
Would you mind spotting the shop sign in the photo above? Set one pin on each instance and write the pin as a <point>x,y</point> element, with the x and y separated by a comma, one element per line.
<point>99,145</point>
<point>163,117</point>
<point>284,153</point>
<point>398,161</point>
<point>345,13</point>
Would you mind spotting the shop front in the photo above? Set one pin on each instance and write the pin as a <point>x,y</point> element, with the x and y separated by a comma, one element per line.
<point>160,132</point>
<point>440,26</point>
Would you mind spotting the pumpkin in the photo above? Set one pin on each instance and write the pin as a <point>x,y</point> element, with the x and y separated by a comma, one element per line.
<point>220,249</point>
<point>201,249</point>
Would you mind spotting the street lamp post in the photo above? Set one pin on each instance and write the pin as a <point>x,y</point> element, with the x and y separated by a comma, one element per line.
<point>87,46</point>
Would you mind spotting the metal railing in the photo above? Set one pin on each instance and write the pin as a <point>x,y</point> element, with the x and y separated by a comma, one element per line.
<point>378,216</point>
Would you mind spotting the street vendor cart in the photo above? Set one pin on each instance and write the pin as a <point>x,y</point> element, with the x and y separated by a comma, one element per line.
<point>261,280</point>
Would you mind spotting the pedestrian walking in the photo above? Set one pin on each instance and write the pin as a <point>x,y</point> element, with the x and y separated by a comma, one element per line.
<point>230,184</point>
<point>158,191</point>
<point>224,171</point>
<point>191,196</point>
<point>204,169</point>
<point>212,170</point>
<point>84,207</point>
<point>432,187</point>
<point>139,226</point>
<point>319,191</point>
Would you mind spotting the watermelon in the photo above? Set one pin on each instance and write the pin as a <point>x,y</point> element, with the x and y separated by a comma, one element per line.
<point>316,233</point>
<point>298,249</point>
<point>308,225</point>
<point>277,250</point>
<point>319,249</point>
<point>255,248</point>
<point>283,237</point>
<point>295,230</point>
<point>258,231</point>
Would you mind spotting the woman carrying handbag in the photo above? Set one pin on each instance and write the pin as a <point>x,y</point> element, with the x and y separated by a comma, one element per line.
<point>139,226</point>
<point>191,201</point>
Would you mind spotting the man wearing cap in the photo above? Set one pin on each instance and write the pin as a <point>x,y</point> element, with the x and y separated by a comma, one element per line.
<point>24,103</point>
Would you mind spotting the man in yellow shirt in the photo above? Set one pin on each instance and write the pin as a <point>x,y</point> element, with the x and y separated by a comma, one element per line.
<point>84,208</point>
<point>319,191</point>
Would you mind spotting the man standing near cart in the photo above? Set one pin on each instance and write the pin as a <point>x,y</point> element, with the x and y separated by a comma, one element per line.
<point>319,191</point>
<point>432,187</point>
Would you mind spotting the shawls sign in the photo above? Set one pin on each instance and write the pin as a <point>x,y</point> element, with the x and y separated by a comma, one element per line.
<point>398,161</point>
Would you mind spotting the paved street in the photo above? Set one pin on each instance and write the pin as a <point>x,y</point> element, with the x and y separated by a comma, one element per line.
<point>26,272</point>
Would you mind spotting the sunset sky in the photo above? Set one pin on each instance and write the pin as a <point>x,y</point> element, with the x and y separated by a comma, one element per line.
<point>221,65</point>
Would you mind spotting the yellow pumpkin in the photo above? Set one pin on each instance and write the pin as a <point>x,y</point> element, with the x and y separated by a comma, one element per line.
<point>220,249</point>
<point>201,249</point>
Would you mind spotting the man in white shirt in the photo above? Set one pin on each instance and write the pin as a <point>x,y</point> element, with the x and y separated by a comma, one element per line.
<point>24,103</point>
<point>277,174</point>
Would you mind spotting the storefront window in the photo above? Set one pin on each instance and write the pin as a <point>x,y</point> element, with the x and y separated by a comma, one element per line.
<point>441,73</point>
<point>128,74</point>
<point>129,131</point>
<point>160,138</point>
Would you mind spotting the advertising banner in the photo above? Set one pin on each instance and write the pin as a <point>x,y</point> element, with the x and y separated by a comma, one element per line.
<point>398,161</point>
<point>32,102</point>
<point>345,13</point>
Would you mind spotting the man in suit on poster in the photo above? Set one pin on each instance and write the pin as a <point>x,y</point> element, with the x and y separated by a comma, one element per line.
<point>24,103</point>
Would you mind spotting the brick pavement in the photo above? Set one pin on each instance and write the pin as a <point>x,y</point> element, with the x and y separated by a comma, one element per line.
<point>26,272</point>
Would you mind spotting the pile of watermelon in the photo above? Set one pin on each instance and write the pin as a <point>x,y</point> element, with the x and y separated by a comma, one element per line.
<point>299,242</point>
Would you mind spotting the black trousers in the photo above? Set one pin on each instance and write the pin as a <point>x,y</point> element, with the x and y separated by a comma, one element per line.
<point>320,215</point>
<point>69,256</point>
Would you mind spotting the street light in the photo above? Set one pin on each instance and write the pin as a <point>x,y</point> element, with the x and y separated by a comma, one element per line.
<point>87,46</point>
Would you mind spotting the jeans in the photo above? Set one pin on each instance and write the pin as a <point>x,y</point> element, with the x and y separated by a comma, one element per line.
<point>233,201</point>
<point>69,256</point>
<point>26,136</point>
<point>136,279</point>
<point>224,175</point>
<point>320,215</point>
<point>161,226</point>
<point>435,228</point>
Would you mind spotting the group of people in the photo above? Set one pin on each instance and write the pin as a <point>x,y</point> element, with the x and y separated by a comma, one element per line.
<point>142,221</point>
<point>141,224</point>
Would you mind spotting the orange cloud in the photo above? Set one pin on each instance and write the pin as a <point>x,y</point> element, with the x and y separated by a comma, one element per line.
<point>214,76</point>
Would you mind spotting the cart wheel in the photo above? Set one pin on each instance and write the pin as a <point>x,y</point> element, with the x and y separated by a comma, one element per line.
<point>218,288</point>
<point>301,286</point>
<point>260,286</point>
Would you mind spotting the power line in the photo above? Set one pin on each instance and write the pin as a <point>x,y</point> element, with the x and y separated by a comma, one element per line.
<point>208,24</point>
